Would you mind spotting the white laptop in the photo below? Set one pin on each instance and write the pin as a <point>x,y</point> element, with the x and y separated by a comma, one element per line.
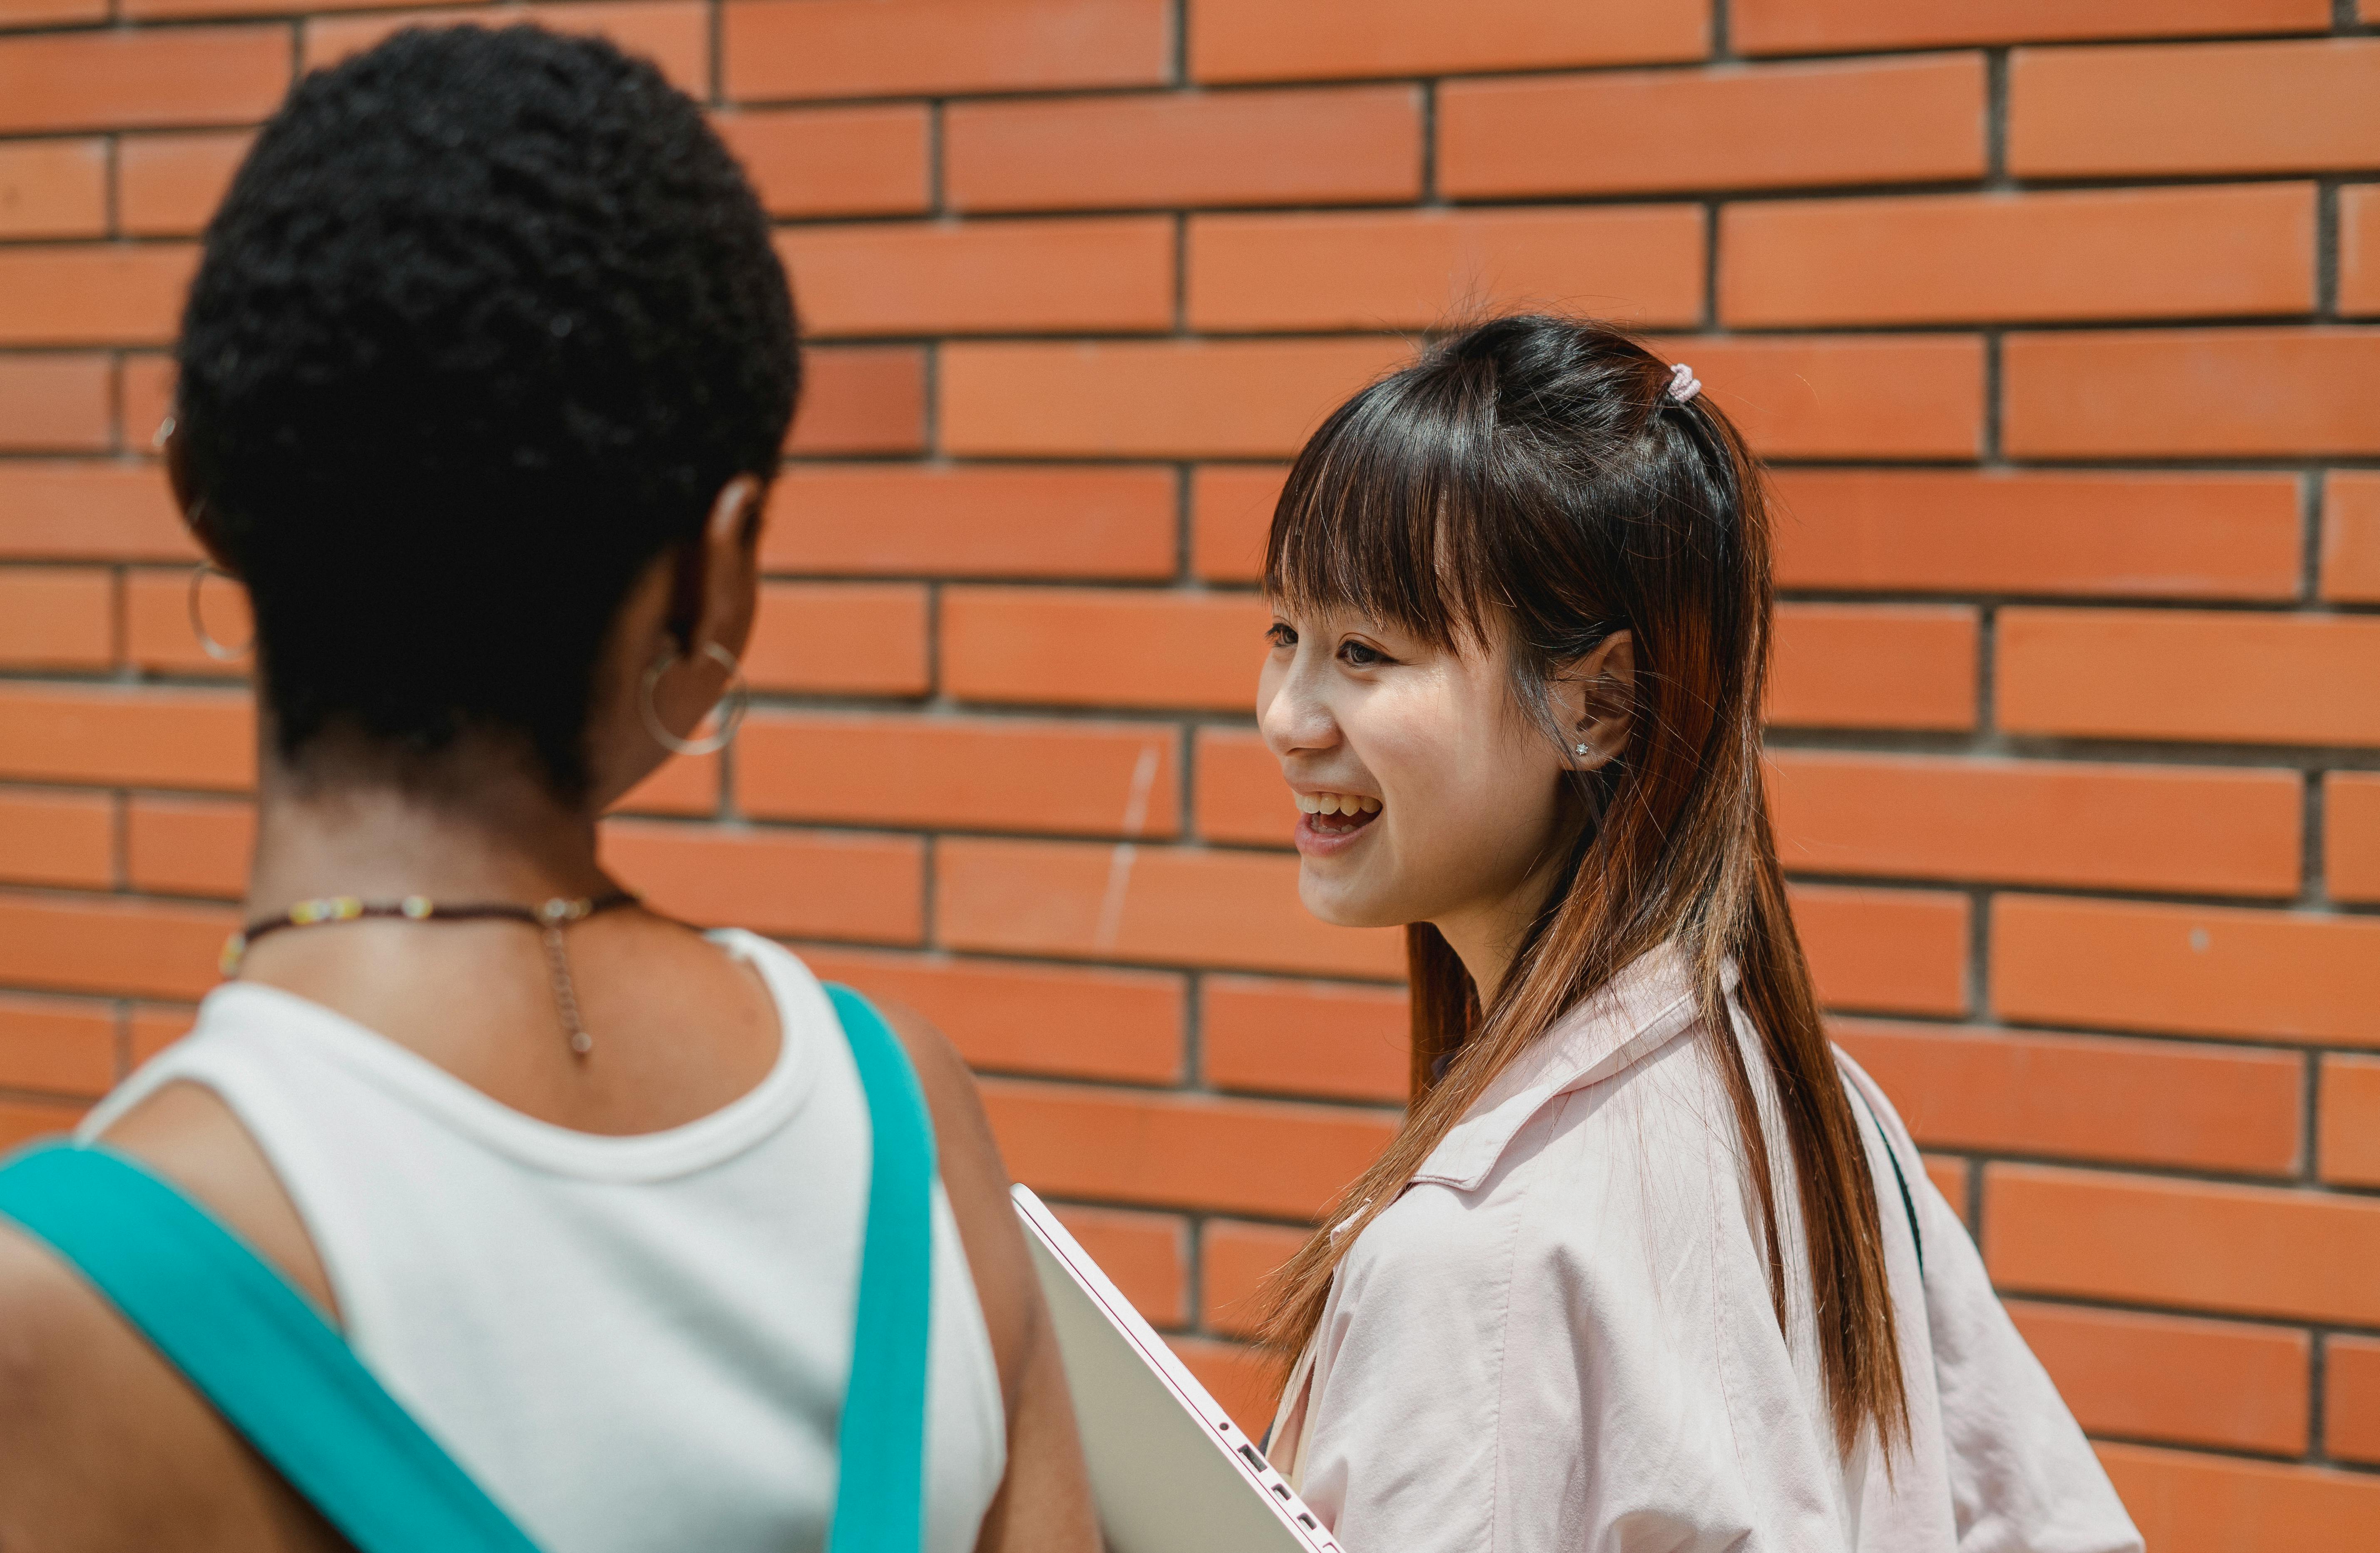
<point>1170,1470</point>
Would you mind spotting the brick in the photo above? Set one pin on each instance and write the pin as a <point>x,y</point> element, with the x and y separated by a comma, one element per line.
<point>889,48</point>
<point>167,186</point>
<point>96,943</point>
<point>1994,258</point>
<point>53,404</point>
<point>860,399</point>
<point>1241,796</point>
<point>124,79</point>
<point>157,630</point>
<point>2198,109</point>
<point>1066,1022</point>
<point>963,773</point>
<point>814,161</point>
<point>972,520</point>
<point>1171,1151</point>
<point>2359,248</point>
<point>1832,26</point>
<point>1144,1254</point>
<point>843,638</point>
<point>53,837</point>
<point>2348,1113</point>
<point>2148,535</point>
<point>1874,666</point>
<point>2233,678</point>
<point>1320,1039</point>
<point>795,883</point>
<point>2351,1398</point>
<point>57,1045</point>
<point>1089,276</point>
<point>93,294</point>
<point>41,13</point>
<point>1087,647</point>
<point>1765,126</point>
<point>188,846</point>
<point>2197,970</point>
<point>1425,268</point>
<point>2350,537</point>
<point>2192,394</point>
<point>684,785</point>
<point>2350,833</point>
<point>1951,1177</point>
<point>1885,951</point>
<point>154,1028</point>
<point>2194,1107</point>
<point>1234,1261</point>
<point>158,10</point>
<point>1231,517</point>
<point>54,189</point>
<point>1245,1381</point>
<point>1158,905</point>
<point>57,617</point>
<point>2178,1379</point>
<point>1313,145</point>
<point>1852,397</point>
<point>2253,1250</point>
<point>23,1120</point>
<point>2195,830</point>
<point>673,34</point>
<point>58,511</point>
<point>1160,399</point>
<point>120,735</point>
<point>1251,40</point>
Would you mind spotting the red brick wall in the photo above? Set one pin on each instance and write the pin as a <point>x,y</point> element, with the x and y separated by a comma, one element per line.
<point>2060,318</point>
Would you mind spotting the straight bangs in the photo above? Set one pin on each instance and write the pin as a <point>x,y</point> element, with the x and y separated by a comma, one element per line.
<point>1387,514</point>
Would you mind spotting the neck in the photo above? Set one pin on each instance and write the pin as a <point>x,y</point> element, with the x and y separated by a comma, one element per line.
<point>1487,935</point>
<point>489,835</point>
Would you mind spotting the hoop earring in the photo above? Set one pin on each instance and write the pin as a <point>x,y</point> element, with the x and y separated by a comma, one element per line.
<point>207,643</point>
<point>733,702</point>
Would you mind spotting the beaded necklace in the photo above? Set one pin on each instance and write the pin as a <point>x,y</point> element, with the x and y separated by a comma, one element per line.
<point>550,919</point>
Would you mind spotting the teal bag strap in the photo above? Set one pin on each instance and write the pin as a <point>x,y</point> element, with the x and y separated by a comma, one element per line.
<point>880,1490</point>
<point>258,1348</point>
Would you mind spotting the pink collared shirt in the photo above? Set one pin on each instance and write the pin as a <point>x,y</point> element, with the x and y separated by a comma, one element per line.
<point>1560,1336</point>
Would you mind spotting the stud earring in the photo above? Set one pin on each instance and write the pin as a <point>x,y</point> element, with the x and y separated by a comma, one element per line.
<point>1580,750</point>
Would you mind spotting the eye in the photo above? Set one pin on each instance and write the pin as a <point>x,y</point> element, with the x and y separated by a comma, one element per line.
<point>1280,635</point>
<point>1362,655</point>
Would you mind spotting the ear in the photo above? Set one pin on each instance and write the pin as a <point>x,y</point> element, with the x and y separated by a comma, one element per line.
<point>1596,700</point>
<point>194,512</point>
<point>717,589</point>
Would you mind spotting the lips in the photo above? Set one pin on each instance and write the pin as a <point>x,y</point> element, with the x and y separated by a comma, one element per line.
<point>1329,821</point>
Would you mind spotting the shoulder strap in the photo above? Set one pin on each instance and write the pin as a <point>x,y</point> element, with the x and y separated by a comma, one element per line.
<point>256,1349</point>
<point>880,1495</point>
<point>1908,1202</point>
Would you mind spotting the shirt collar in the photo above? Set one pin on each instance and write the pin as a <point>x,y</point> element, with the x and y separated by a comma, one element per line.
<point>1643,1008</point>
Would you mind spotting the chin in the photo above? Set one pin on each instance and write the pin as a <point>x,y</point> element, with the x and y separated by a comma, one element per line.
<point>1333,902</point>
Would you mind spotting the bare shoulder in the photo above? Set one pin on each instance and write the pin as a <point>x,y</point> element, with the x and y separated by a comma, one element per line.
<point>103,1446</point>
<point>976,1183</point>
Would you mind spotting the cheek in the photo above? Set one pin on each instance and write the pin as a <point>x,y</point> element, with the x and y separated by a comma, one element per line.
<point>1473,803</point>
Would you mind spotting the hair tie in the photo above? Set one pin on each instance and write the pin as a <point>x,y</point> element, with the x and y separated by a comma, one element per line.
<point>1683,384</point>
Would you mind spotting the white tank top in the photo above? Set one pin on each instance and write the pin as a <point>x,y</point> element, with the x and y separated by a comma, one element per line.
<point>631,1343</point>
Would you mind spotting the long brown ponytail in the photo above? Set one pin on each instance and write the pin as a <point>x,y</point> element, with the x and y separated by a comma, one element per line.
<point>1533,476</point>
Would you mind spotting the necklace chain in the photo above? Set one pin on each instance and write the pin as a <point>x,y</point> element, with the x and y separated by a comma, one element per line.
<point>550,919</point>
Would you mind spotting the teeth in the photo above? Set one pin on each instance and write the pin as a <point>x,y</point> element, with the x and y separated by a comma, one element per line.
<point>1309,804</point>
<point>1337,802</point>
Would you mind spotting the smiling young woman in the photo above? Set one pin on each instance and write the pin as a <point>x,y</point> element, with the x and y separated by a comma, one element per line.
<point>1651,1265</point>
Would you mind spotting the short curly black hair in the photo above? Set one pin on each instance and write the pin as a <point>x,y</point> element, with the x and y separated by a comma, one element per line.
<point>484,324</point>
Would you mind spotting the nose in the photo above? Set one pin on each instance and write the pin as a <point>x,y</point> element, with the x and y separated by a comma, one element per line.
<point>1294,715</point>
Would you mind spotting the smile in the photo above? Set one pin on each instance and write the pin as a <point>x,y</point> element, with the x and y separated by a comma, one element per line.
<point>1327,820</point>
